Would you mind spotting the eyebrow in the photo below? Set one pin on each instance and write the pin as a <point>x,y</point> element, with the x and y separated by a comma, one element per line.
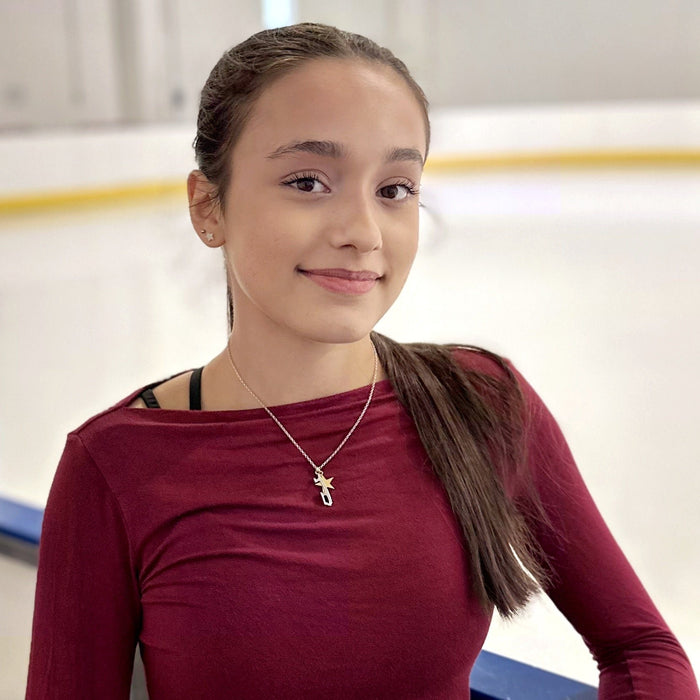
<point>331,149</point>
<point>410,154</point>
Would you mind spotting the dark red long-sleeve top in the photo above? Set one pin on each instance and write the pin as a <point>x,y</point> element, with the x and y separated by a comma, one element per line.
<point>201,536</point>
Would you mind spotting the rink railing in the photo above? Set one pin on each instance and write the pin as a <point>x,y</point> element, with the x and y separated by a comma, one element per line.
<point>139,190</point>
<point>493,677</point>
<point>20,527</point>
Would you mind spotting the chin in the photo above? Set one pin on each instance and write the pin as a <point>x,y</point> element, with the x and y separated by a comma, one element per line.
<point>340,336</point>
<point>338,333</point>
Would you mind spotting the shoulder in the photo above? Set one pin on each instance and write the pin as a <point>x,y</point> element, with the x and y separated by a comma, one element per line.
<point>171,393</point>
<point>492,366</point>
<point>476,359</point>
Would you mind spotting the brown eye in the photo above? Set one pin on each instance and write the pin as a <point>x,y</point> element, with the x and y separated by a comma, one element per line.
<point>396,192</point>
<point>305,184</point>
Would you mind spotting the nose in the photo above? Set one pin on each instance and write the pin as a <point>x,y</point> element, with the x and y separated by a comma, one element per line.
<point>357,224</point>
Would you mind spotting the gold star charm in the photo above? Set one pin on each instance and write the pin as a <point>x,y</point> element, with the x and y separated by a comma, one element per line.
<point>325,484</point>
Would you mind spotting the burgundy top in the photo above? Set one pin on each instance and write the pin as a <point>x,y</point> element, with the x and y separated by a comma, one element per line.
<point>201,536</point>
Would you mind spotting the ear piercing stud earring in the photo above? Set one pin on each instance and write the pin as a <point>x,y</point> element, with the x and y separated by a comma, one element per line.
<point>208,235</point>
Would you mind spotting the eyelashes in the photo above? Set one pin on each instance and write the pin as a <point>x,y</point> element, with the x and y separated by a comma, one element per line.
<point>309,182</point>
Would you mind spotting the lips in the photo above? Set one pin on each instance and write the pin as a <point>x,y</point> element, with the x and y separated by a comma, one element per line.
<point>343,281</point>
<point>345,274</point>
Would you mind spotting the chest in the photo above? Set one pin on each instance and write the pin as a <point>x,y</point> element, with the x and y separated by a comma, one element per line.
<point>244,567</point>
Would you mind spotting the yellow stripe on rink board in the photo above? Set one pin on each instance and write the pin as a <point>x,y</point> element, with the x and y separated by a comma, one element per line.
<point>563,159</point>
<point>98,196</point>
<point>436,164</point>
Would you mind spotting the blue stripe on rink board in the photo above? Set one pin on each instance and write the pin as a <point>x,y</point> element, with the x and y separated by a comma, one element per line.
<point>497,677</point>
<point>20,521</point>
<point>493,677</point>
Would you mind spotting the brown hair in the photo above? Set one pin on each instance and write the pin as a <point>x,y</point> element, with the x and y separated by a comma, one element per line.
<point>471,424</point>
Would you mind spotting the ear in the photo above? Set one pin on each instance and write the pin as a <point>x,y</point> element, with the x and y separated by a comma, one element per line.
<point>205,212</point>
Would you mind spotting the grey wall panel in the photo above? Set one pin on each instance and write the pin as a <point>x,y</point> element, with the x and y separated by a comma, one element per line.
<point>500,51</point>
<point>33,63</point>
<point>207,28</point>
<point>57,63</point>
<point>476,52</point>
<point>168,47</point>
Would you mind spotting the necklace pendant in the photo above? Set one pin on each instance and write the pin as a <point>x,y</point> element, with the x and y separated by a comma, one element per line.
<point>325,484</point>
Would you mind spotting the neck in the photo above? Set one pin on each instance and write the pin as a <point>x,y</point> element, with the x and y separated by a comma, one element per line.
<point>279,372</point>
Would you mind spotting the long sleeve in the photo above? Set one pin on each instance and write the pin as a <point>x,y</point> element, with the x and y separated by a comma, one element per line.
<point>86,612</point>
<point>593,584</point>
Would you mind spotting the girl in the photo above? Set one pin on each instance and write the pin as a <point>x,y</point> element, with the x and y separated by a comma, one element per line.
<point>320,511</point>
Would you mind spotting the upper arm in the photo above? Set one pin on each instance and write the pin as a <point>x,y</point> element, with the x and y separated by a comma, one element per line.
<point>593,584</point>
<point>87,609</point>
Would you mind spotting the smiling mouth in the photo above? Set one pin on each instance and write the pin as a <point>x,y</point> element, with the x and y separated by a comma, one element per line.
<point>343,281</point>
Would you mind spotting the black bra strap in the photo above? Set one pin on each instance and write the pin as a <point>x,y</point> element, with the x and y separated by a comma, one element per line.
<point>149,398</point>
<point>196,390</point>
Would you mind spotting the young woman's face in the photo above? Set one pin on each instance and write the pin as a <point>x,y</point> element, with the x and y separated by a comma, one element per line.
<point>321,214</point>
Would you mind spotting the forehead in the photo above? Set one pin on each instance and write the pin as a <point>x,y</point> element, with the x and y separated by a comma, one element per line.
<point>350,101</point>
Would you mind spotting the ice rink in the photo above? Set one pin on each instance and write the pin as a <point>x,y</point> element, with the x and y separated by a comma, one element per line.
<point>587,279</point>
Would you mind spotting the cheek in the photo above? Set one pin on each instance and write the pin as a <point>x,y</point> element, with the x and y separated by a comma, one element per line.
<point>263,251</point>
<point>410,257</point>
<point>406,240</point>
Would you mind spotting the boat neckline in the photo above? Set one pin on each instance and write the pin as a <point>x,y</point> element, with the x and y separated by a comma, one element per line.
<point>339,400</point>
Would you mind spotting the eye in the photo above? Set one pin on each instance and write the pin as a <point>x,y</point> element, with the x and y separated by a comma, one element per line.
<point>398,191</point>
<point>305,182</point>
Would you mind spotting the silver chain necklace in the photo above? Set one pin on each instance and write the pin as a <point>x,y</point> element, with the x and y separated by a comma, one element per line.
<point>320,479</point>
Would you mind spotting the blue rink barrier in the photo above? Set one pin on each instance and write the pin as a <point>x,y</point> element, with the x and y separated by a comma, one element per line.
<point>20,527</point>
<point>497,677</point>
<point>493,677</point>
